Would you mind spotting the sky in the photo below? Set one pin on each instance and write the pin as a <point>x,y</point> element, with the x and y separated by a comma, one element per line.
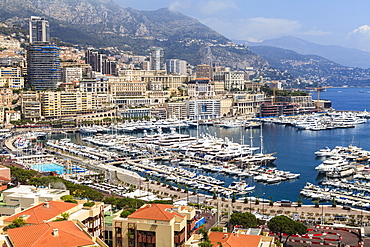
<point>327,22</point>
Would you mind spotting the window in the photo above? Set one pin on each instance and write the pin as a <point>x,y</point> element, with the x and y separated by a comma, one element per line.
<point>204,108</point>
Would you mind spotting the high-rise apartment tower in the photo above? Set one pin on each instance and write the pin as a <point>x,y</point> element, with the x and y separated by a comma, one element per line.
<point>39,30</point>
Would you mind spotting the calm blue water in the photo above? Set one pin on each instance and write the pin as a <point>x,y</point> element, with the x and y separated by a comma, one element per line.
<point>295,148</point>
<point>347,99</point>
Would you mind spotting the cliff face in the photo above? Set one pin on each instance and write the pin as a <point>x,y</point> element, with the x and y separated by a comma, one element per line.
<point>103,23</point>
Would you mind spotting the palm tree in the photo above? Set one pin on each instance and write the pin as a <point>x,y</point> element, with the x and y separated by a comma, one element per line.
<point>214,194</point>
<point>271,201</point>
<point>299,201</point>
<point>186,188</point>
<point>234,197</point>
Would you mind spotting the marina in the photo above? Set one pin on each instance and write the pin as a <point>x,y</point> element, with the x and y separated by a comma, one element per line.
<point>292,151</point>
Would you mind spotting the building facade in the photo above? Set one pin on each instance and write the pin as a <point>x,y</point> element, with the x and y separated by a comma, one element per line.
<point>71,74</point>
<point>11,77</point>
<point>43,71</point>
<point>203,109</point>
<point>157,59</point>
<point>176,66</point>
<point>39,29</point>
<point>234,80</point>
<point>155,225</point>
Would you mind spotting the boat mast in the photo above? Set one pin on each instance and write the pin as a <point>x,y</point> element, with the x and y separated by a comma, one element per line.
<point>261,136</point>
<point>251,136</point>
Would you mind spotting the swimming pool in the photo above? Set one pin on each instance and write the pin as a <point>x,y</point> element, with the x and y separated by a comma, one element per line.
<point>50,167</point>
<point>53,167</point>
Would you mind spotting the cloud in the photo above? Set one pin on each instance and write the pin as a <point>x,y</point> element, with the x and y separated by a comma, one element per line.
<point>359,38</point>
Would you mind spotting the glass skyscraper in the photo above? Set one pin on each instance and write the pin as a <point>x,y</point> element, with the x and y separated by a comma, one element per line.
<point>43,63</point>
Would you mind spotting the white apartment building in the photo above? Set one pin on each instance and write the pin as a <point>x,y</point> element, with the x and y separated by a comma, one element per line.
<point>71,74</point>
<point>234,80</point>
<point>203,109</point>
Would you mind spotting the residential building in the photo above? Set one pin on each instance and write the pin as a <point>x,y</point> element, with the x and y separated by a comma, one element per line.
<point>31,105</point>
<point>6,97</point>
<point>226,106</point>
<point>155,86</point>
<point>91,217</point>
<point>159,112</point>
<point>135,112</point>
<point>56,234</point>
<point>302,101</point>
<point>43,70</point>
<point>155,225</point>
<point>38,30</point>
<point>278,109</point>
<point>5,177</point>
<point>70,74</point>
<point>177,110</point>
<point>125,102</point>
<point>247,104</point>
<point>203,109</point>
<point>219,87</point>
<point>98,85</point>
<point>157,59</point>
<point>128,89</point>
<point>11,77</point>
<point>234,80</point>
<point>12,116</point>
<point>176,66</point>
<point>204,71</point>
<point>95,59</point>
<point>136,74</point>
<point>201,88</point>
<point>170,82</point>
<point>70,103</point>
<point>26,196</point>
<point>240,240</point>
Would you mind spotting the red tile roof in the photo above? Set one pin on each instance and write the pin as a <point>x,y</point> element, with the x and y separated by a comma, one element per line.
<point>232,240</point>
<point>40,212</point>
<point>42,235</point>
<point>155,212</point>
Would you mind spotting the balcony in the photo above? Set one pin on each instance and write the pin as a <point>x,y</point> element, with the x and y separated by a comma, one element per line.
<point>179,238</point>
<point>146,239</point>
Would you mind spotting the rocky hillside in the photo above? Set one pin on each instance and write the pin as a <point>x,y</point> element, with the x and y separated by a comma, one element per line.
<point>313,68</point>
<point>103,23</point>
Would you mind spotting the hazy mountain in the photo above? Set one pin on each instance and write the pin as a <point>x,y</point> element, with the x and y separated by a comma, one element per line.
<point>103,23</point>
<point>313,68</point>
<point>341,55</point>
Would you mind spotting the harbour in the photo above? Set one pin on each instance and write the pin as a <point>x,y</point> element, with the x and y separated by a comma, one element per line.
<point>294,150</point>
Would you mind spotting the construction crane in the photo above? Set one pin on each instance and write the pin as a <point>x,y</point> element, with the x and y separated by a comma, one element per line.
<point>318,90</point>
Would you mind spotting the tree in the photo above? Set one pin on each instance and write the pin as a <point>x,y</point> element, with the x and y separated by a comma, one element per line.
<point>317,203</point>
<point>246,200</point>
<point>284,225</point>
<point>333,202</point>
<point>300,201</point>
<point>18,222</point>
<point>234,197</point>
<point>247,220</point>
<point>271,202</point>
<point>68,198</point>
